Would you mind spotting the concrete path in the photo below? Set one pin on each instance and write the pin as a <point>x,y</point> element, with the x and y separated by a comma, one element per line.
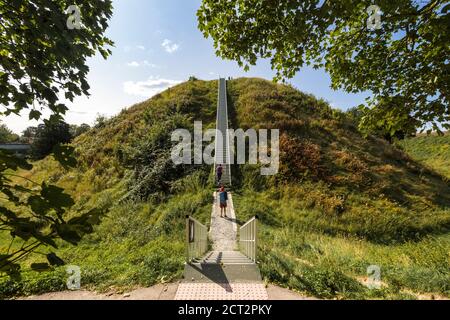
<point>223,273</point>
<point>162,292</point>
<point>157,292</point>
<point>223,231</point>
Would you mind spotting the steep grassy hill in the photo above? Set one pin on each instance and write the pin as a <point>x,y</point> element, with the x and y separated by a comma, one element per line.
<point>338,204</point>
<point>433,151</point>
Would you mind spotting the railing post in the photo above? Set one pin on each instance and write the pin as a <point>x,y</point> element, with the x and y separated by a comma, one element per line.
<point>248,238</point>
<point>252,238</point>
<point>256,236</point>
<point>198,243</point>
<point>187,239</point>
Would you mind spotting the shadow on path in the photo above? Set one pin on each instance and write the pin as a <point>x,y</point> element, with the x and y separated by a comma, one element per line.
<point>215,273</point>
<point>237,221</point>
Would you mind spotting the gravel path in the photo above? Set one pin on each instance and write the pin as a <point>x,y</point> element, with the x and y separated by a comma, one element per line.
<point>223,230</point>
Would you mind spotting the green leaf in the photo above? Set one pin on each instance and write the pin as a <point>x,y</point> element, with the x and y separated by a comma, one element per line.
<point>64,155</point>
<point>10,161</point>
<point>405,58</point>
<point>23,228</point>
<point>40,58</point>
<point>34,114</point>
<point>38,205</point>
<point>56,197</point>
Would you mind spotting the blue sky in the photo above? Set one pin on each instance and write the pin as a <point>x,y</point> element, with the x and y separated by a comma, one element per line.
<point>157,44</point>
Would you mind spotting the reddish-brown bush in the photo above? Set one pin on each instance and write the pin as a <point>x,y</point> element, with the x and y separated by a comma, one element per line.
<point>300,159</point>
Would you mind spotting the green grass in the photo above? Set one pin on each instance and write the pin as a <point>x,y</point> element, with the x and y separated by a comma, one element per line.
<point>432,150</point>
<point>339,203</point>
<point>298,252</point>
<point>135,245</point>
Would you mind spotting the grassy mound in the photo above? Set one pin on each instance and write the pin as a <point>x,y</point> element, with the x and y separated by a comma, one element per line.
<point>433,151</point>
<point>339,203</point>
<point>125,167</point>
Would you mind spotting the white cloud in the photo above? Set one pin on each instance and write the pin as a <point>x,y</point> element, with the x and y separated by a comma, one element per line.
<point>149,87</point>
<point>133,64</point>
<point>145,63</point>
<point>140,47</point>
<point>148,64</point>
<point>169,46</point>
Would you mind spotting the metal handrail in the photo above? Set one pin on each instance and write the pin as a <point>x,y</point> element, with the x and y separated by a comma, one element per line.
<point>248,238</point>
<point>196,239</point>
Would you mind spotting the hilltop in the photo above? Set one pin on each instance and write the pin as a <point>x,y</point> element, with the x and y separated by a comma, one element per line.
<point>340,202</point>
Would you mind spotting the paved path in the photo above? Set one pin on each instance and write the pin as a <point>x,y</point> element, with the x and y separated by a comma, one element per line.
<point>157,292</point>
<point>220,291</point>
<point>223,230</point>
<point>223,273</point>
<point>161,292</point>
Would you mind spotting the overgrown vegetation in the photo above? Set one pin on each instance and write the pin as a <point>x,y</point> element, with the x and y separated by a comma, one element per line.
<point>339,203</point>
<point>36,67</point>
<point>124,168</point>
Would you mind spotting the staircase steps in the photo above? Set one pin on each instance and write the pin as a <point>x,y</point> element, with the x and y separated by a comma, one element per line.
<point>222,267</point>
<point>223,273</point>
<point>222,155</point>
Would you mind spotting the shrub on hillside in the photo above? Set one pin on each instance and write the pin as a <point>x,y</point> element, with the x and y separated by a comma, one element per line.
<point>300,159</point>
<point>155,175</point>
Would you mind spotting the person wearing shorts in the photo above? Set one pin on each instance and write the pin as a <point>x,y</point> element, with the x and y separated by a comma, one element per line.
<point>223,197</point>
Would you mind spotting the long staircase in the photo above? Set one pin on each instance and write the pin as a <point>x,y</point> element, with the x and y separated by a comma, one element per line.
<point>222,148</point>
<point>226,268</point>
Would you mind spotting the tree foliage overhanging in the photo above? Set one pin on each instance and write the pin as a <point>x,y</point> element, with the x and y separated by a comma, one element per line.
<point>42,62</point>
<point>404,62</point>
